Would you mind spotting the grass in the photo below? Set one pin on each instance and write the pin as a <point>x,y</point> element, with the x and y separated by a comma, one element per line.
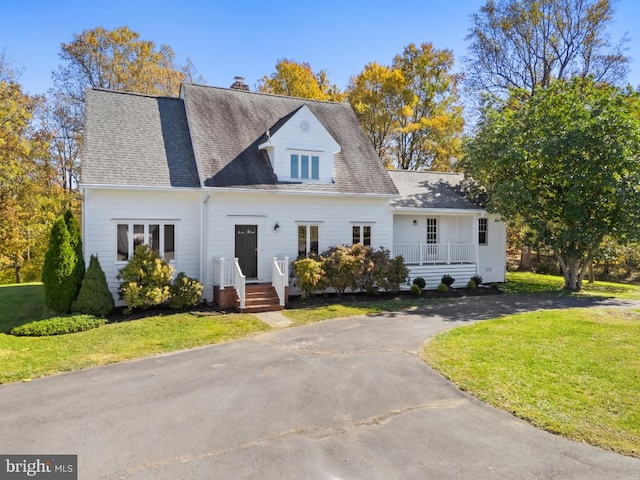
<point>21,303</point>
<point>532,283</point>
<point>573,372</point>
<point>319,313</point>
<point>24,358</point>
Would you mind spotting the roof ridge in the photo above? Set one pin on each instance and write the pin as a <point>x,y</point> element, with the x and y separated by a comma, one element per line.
<point>249,92</point>
<point>134,94</point>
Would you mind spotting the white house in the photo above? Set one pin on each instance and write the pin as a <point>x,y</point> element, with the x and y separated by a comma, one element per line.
<point>229,185</point>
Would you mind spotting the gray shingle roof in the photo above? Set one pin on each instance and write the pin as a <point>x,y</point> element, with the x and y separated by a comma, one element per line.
<point>429,190</point>
<point>228,125</point>
<point>136,140</point>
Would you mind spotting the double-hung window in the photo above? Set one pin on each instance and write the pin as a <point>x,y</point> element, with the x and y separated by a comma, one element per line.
<point>305,167</point>
<point>308,235</point>
<point>483,231</point>
<point>361,234</point>
<point>159,236</point>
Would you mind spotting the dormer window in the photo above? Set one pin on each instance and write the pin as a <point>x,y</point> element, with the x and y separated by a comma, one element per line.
<point>305,167</point>
<point>300,148</point>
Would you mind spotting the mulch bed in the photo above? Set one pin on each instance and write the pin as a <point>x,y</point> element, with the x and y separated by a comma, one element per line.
<point>295,301</point>
<point>329,298</point>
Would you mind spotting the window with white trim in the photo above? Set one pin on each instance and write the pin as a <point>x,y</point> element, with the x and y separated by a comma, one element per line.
<point>432,230</point>
<point>159,236</point>
<point>305,167</point>
<point>361,234</point>
<point>483,231</point>
<point>308,236</point>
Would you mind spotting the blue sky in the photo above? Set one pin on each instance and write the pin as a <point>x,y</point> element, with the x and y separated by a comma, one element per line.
<point>246,38</point>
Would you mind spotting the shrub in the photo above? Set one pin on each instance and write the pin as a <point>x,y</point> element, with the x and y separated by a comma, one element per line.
<point>471,285</point>
<point>447,280</point>
<point>477,279</point>
<point>394,274</point>
<point>94,297</point>
<point>185,292</point>
<point>146,279</point>
<point>442,288</point>
<point>57,272</point>
<point>372,266</point>
<point>75,240</point>
<point>420,282</point>
<point>415,289</point>
<point>58,326</point>
<point>341,266</point>
<point>310,275</point>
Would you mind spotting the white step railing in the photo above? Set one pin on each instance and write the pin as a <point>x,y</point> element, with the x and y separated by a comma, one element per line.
<point>431,253</point>
<point>239,281</point>
<point>280,277</point>
<point>229,274</point>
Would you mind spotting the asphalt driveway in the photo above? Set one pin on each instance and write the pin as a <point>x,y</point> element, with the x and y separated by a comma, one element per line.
<point>344,399</point>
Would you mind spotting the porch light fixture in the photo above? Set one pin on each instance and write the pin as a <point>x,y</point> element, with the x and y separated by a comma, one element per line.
<point>415,222</point>
<point>276,227</point>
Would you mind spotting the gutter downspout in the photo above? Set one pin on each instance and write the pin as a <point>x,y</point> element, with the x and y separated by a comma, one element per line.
<point>204,216</point>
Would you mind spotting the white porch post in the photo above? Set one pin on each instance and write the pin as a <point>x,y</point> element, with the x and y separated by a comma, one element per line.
<point>448,253</point>
<point>222,276</point>
<point>476,248</point>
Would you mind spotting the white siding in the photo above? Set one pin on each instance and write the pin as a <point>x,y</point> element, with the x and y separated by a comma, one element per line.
<point>334,215</point>
<point>451,228</point>
<point>493,256</point>
<point>105,208</point>
<point>432,274</point>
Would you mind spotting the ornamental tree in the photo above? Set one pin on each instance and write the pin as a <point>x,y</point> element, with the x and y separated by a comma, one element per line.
<point>564,161</point>
<point>57,273</point>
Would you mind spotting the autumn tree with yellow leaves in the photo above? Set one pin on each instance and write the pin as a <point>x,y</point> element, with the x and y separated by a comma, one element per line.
<point>411,110</point>
<point>29,198</point>
<point>295,79</point>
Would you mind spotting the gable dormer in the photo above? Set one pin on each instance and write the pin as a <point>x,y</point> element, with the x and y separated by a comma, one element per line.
<point>301,149</point>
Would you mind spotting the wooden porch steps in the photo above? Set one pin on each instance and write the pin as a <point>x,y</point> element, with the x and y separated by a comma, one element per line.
<point>261,298</point>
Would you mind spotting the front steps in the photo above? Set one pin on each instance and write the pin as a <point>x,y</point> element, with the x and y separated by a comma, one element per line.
<point>261,298</point>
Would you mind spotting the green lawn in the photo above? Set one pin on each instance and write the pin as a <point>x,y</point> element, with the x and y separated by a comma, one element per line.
<point>23,358</point>
<point>524,282</point>
<point>319,313</point>
<point>574,372</point>
<point>20,304</point>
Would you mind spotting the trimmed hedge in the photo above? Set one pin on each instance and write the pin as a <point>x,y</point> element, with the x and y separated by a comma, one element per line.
<point>58,326</point>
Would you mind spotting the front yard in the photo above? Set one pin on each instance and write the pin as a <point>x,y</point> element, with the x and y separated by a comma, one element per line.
<point>573,372</point>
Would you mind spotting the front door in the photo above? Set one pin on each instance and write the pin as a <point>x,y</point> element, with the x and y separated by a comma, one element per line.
<point>247,249</point>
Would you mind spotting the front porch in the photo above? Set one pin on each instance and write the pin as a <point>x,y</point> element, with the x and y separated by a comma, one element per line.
<point>231,289</point>
<point>432,261</point>
<point>436,253</point>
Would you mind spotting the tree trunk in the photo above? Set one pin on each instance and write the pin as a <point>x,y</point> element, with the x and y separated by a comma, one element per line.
<point>525,259</point>
<point>574,270</point>
<point>18,271</point>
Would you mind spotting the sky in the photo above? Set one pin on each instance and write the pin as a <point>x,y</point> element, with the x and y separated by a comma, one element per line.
<point>246,38</point>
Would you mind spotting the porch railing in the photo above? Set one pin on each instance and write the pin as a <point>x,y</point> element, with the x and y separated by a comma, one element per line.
<point>432,253</point>
<point>239,280</point>
<point>280,277</point>
<point>227,273</point>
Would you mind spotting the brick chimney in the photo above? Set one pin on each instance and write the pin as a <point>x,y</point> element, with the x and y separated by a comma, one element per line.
<point>238,84</point>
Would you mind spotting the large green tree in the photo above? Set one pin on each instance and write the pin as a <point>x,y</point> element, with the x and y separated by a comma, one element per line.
<point>565,162</point>
<point>411,110</point>
<point>529,43</point>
